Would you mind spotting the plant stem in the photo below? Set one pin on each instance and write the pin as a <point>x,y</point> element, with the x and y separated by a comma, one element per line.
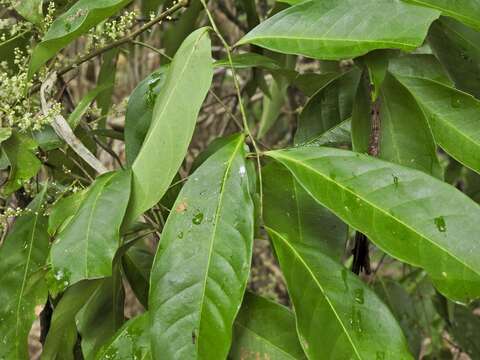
<point>240,101</point>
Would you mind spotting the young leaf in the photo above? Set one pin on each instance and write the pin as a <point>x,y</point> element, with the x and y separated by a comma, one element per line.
<point>82,16</point>
<point>408,214</point>
<point>130,342</point>
<point>338,29</point>
<point>354,322</point>
<point>140,111</point>
<point>62,334</point>
<point>466,11</point>
<point>329,107</point>
<point>20,151</point>
<point>264,330</point>
<point>293,211</point>
<point>452,115</point>
<point>22,257</point>
<point>202,264</point>
<point>85,248</point>
<point>174,117</point>
<point>458,49</point>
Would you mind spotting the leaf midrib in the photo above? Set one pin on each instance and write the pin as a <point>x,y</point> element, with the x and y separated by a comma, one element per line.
<point>375,207</point>
<point>214,233</point>
<point>315,280</point>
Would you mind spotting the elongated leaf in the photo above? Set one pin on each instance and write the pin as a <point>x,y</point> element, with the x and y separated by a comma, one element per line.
<point>407,213</point>
<point>295,212</point>
<point>453,115</point>
<point>137,263</point>
<point>402,306</point>
<point>29,9</point>
<point>20,151</point>
<point>467,11</point>
<point>84,104</point>
<point>249,60</point>
<point>22,257</point>
<point>354,322</point>
<point>85,248</point>
<point>201,268</point>
<point>328,107</point>
<point>458,49</point>
<point>63,210</point>
<point>82,16</point>
<point>334,29</point>
<point>62,334</point>
<point>131,341</point>
<point>174,117</point>
<point>140,111</point>
<point>264,330</point>
<point>102,315</point>
<point>106,78</point>
<point>405,136</point>
<point>338,136</point>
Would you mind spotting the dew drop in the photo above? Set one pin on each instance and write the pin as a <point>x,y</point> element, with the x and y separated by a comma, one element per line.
<point>197,218</point>
<point>440,224</point>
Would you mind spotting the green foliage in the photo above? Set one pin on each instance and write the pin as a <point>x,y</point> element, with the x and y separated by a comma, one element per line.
<point>137,180</point>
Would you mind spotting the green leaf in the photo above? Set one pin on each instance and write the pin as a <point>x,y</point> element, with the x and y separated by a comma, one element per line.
<point>466,11</point>
<point>63,211</point>
<point>354,322</point>
<point>376,63</point>
<point>149,6</point>
<point>8,46</point>
<point>293,211</point>
<point>465,328</point>
<point>310,83</point>
<point>81,17</point>
<point>339,29</point>
<point>101,316</point>
<point>452,116</point>
<point>29,9</point>
<point>85,248</point>
<point>130,342</point>
<point>408,214</point>
<point>338,136</point>
<point>84,104</point>
<point>140,111</point>
<point>249,60</point>
<point>202,264</point>
<point>330,106</point>
<point>106,78</point>
<point>402,306</point>
<point>458,49</point>
<point>173,122</point>
<point>5,133</point>
<point>22,257</point>
<point>20,151</point>
<point>137,263</point>
<point>264,330</point>
<point>62,334</point>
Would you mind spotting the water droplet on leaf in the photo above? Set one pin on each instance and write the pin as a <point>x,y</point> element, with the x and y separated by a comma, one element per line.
<point>197,218</point>
<point>440,224</point>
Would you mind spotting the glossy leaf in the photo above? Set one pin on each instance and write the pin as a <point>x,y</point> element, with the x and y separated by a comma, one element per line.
<point>408,214</point>
<point>452,115</point>
<point>62,334</point>
<point>101,316</point>
<point>336,29</point>
<point>140,111</point>
<point>85,248</point>
<point>63,210</point>
<point>354,322</point>
<point>338,136</point>
<point>264,330</point>
<point>201,267</point>
<point>466,11</point>
<point>82,16</point>
<point>329,107</point>
<point>458,49</point>
<point>20,150</point>
<point>137,263</point>
<point>130,342</point>
<point>22,257</point>
<point>174,118</point>
<point>293,211</point>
